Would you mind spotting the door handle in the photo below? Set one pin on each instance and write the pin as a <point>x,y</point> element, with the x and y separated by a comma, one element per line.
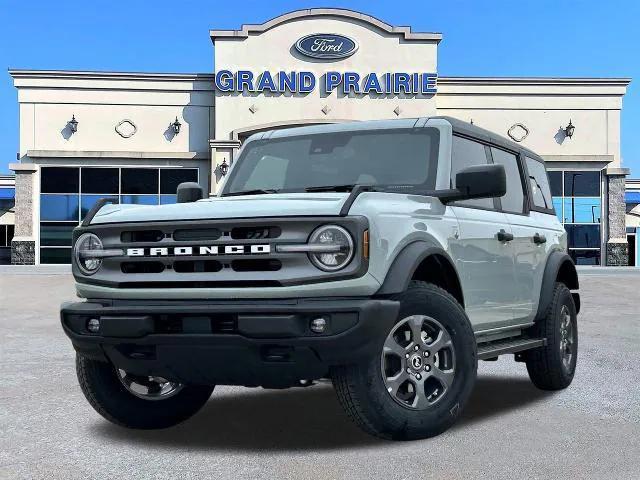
<point>504,236</point>
<point>538,238</point>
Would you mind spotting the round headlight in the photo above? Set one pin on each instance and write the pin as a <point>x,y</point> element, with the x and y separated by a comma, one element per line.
<point>85,245</point>
<point>331,236</point>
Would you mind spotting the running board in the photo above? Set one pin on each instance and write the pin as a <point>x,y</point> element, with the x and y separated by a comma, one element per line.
<point>493,349</point>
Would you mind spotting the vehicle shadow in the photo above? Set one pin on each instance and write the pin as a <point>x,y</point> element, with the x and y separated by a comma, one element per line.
<point>302,419</point>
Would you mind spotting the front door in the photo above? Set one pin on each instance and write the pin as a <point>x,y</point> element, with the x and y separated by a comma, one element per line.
<point>483,250</point>
<point>484,257</point>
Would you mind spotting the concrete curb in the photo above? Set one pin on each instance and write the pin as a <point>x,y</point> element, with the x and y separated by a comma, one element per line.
<point>35,269</point>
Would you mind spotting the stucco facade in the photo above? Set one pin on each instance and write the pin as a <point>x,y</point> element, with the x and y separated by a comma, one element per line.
<point>124,119</point>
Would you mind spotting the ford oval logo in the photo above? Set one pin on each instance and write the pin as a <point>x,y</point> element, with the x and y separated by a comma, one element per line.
<point>326,46</point>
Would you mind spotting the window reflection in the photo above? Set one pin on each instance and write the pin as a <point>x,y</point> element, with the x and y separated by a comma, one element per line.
<point>139,199</point>
<point>581,184</point>
<point>59,207</point>
<point>582,210</point>
<point>583,236</point>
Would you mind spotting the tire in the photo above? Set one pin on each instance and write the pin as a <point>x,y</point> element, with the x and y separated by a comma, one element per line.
<point>362,390</point>
<point>548,366</point>
<point>104,390</point>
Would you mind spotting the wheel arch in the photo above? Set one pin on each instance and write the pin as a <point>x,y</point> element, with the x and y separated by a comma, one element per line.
<point>421,261</point>
<point>559,268</point>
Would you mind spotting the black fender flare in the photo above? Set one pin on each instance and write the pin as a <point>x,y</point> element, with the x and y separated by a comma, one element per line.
<point>559,266</point>
<point>407,262</point>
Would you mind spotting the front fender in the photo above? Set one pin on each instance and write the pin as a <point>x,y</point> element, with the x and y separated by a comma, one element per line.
<point>405,265</point>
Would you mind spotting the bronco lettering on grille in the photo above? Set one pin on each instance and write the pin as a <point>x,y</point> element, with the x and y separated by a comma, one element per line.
<point>199,250</point>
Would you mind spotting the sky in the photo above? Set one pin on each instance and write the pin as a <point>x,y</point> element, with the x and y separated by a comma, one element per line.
<point>481,38</point>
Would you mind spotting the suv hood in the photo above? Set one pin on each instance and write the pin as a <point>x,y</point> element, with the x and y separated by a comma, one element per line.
<point>269,205</point>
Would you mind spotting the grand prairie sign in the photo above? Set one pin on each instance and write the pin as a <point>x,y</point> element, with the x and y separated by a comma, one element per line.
<point>328,47</point>
<point>388,83</point>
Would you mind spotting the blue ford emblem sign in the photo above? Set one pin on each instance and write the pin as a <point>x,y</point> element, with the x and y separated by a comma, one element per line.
<point>326,46</point>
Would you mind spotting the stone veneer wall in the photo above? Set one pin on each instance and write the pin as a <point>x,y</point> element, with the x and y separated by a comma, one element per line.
<point>617,247</point>
<point>23,247</point>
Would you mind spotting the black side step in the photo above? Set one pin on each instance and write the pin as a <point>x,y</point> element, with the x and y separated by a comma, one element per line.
<point>493,349</point>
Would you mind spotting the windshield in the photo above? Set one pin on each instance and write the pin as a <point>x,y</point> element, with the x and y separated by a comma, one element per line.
<point>386,158</point>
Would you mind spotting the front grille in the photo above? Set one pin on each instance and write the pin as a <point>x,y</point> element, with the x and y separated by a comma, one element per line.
<point>142,267</point>
<point>192,266</point>
<point>197,234</point>
<point>142,236</point>
<point>257,265</point>
<point>254,233</point>
<point>227,253</point>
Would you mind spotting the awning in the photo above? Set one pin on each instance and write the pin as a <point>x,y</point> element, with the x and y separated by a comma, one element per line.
<point>632,219</point>
<point>632,197</point>
<point>7,217</point>
<point>7,193</point>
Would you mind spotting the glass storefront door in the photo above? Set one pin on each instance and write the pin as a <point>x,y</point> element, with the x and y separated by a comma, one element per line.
<point>577,198</point>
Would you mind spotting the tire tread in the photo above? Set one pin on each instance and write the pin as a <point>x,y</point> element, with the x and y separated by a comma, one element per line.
<point>542,363</point>
<point>104,392</point>
<point>347,390</point>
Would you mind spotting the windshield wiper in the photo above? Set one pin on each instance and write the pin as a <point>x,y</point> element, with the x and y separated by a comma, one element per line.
<point>257,191</point>
<point>331,188</point>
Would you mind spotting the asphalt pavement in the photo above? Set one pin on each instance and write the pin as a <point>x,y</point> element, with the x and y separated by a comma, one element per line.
<point>509,430</point>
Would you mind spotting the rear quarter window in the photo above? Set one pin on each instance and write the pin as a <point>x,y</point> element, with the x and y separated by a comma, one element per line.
<point>539,183</point>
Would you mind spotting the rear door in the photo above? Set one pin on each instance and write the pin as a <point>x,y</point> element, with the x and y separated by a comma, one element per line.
<point>482,251</point>
<point>546,228</point>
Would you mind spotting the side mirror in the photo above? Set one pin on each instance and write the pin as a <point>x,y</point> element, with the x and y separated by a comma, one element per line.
<point>479,181</point>
<point>189,192</point>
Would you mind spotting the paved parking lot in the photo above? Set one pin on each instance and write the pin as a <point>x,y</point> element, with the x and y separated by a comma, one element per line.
<point>509,430</point>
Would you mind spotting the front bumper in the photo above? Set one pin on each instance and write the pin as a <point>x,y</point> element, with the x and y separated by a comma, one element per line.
<point>259,342</point>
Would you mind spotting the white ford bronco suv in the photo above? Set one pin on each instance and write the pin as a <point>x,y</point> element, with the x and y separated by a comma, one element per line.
<point>386,256</point>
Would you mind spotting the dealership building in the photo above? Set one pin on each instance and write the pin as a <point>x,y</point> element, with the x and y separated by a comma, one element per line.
<point>135,136</point>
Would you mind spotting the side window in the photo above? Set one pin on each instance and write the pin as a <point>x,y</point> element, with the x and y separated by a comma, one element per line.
<point>467,153</point>
<point>540,191</point>
<point>513,200</point>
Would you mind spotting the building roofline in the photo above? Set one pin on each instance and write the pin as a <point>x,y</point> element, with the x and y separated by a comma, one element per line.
<point>404,32</point>
<point>619,81</point>
<point>107,75</point>
<point>102,75</point>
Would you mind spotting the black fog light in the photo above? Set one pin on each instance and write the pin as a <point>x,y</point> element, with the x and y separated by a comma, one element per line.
<point>93,325</point>
<point>318,325</point>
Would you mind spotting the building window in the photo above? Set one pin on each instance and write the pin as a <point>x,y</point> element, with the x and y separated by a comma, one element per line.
<point>100,180</point>
<point>140,181</point>
<point>577,198</point>
<point>6,235</point>
<point>60,180</point>
<point>555,182</point>
<point>68,193</point>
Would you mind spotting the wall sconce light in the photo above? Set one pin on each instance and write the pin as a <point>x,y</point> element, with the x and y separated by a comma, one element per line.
<point>568,131</point>
<point>175,126</point>
<point>224,168</point>
<point>73,124</point>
